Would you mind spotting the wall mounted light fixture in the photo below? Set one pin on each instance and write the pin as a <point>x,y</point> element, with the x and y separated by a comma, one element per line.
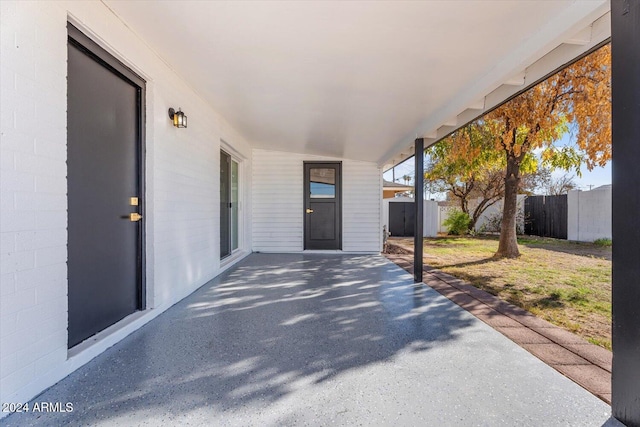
<point>178,117</point>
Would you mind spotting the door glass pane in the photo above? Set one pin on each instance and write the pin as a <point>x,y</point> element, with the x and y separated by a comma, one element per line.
<point>225,199</point>
<point>323,183</point>
<point>234,205</point>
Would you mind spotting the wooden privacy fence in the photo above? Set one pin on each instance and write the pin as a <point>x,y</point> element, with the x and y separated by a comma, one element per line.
<point>546,216</point>
<point>402,219</point>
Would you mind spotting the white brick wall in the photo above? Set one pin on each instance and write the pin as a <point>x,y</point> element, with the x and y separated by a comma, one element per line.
<point>278,222</point>
<point>182,221</point>
<point>33,175</point>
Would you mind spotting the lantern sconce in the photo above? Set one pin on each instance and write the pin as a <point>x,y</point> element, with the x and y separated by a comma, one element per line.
<point>178,117</point>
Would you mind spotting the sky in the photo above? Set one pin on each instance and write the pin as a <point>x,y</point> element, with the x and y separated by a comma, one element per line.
<point>590,179</point>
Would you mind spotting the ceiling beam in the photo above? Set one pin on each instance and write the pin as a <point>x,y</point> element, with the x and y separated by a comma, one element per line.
<point>517,80</point>
<point>451,122</point>
<point>597,20</point>
<point>478,105</point>
<point>445,130</point>
<point>582,38</point>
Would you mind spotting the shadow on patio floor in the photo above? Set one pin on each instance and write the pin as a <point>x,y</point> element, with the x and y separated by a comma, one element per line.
<point>264,329</point>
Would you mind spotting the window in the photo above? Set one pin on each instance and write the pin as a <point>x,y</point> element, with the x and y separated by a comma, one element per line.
<point>322,183</point>
<point>229,204</point>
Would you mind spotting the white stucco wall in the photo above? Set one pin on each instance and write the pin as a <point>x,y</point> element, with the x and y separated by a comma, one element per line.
<point>496,210</point>
<point>182,193</point>
<point>278,216</point>
<point>589,214</point>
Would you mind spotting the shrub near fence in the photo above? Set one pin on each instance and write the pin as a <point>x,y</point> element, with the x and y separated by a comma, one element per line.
<point>489,220</point>
<point>457,222</point>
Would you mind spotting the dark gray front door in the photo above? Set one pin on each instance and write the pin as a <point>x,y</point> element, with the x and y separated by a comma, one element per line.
<point>104,161</point>
<point>323,205</point>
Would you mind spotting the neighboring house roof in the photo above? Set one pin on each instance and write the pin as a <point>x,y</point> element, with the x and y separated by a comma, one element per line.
<point>388,185</point>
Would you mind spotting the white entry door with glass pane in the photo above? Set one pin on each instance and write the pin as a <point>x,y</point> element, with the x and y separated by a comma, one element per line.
<point>229,204</point>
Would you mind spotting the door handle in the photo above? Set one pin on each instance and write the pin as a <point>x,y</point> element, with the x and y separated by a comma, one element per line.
<point>309,210</point>
<point>134,216</point>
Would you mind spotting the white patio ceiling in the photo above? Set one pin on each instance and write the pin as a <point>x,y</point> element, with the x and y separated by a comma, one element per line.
<point>359,80</point>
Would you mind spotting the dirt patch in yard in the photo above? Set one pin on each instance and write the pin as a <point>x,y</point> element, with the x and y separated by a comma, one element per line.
<point>568,284</point>
<point>395,249</point>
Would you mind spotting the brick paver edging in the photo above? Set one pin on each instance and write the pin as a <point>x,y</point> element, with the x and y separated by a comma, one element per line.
<point>586,364</point>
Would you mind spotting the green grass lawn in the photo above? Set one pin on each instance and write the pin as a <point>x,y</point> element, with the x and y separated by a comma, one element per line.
<point>568,284</point>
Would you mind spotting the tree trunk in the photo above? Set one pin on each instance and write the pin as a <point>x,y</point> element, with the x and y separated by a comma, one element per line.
<point>472,223</point>
<point>508,246</point>
<point>464,205</point>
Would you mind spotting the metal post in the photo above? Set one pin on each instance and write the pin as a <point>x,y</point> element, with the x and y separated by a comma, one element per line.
<point>625,79</point>
<point>419,202</point>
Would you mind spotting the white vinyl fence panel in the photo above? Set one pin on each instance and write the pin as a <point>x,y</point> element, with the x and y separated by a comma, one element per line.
<point>589,214</point>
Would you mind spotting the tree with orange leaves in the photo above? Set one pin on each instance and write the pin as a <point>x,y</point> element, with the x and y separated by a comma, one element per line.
<point>467,166</point>
<point>578,95</point>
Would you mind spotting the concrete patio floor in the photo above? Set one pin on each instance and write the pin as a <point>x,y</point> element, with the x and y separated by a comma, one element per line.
<point>316,340</point>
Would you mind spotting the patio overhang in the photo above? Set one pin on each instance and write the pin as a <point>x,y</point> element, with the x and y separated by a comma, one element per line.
<point>362,80</point>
